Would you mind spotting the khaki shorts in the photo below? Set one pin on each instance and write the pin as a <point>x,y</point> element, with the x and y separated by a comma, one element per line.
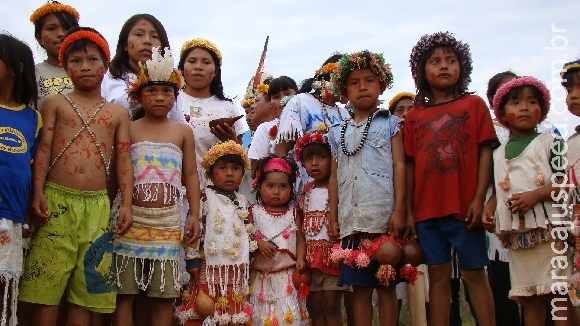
<point>154,273</point>
<point>320,281</point>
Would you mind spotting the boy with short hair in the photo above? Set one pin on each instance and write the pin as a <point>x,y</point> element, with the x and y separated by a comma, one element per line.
<point>72,248</point>
<point>448,143</point>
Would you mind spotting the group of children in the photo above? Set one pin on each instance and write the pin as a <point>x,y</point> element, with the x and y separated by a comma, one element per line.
<point>121,174</point>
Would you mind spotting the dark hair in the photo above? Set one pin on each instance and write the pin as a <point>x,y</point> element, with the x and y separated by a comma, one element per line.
<point>493,84</point>
<point>67,21</point>
<point>17,57</point>
<point>120,62</point>
<point>515,92</point>
<point>216,87</point>
<point>571,78</point>
<point>81,44</point>
<point>314,149</point>
<point>259,171</point>
<point>424,94</point>
<point>280,84</point>
<point>306,84</point>
<point>230,158</point>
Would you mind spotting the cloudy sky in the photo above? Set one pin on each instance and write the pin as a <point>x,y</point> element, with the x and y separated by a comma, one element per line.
<point>532,37</point>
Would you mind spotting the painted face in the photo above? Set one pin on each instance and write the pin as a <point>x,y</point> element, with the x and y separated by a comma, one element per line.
<point>363,89</point>
<point>276,98</point>
<point>522,114</point>
<point>403,107</point>
<point>142,38</point>
<point>199,69</point>
<point>275,189</point>
<point>51,35</point>
<point>227,176</point>
<point>442,68</point>
<point>157,100</point>
<point>260,109</point>
<point>318,166</point>
<point>86,69</point>
<point>573,99</point>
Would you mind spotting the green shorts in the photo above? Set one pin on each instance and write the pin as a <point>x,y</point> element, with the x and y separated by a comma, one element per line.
<point>72,251</point>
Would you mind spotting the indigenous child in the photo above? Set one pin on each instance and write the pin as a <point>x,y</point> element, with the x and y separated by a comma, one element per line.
<point>19,126</point>
<point>72,248</point>
<point>139,34</point>
<point>448,145</point>
<point>147,256</point>
<point>51,21</point>
<point>274,298</point>
<point>203,98</point>
<point>225,243</point>
<point>527,220</point>
<point>368,159</point>
<point>401,104</point>
<point>313,242</point>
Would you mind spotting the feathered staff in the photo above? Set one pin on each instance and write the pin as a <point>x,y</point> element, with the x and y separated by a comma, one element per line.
<point>258,74</point>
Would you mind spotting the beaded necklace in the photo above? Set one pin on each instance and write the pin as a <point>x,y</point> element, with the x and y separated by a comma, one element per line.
<point>275,214</point>
<point>224,193</point>
<point>313,220</point>
<point>362,141</point>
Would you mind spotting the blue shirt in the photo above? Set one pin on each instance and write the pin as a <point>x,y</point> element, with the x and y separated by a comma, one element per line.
<point>19,134</point>
<point>366,195</point>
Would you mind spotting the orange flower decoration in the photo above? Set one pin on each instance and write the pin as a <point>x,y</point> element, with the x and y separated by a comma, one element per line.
<point>52,7</point>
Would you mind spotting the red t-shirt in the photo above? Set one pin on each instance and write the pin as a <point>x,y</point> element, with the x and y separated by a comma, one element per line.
<point>443,141</point>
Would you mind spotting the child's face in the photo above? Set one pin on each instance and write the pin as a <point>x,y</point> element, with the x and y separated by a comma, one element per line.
<point>227,176</point>
<point>363,89</point>
<point>403,107</point>
<point>275,189</point>
<point>522,114</point>
<point>442,68</point>
<point>260,109</point>
<point>317,166</point>
<point>142,38</point>
<point>51,35</point>
<point>573,99</point>
<point>157,100</point>
<point>276,98</point>
<point>86,69</point>
<point>199,69</point>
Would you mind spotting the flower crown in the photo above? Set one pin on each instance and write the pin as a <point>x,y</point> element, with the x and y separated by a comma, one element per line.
<point>520,82</point>
<point>400,96</point>
<point>158,70</point>
<point>52,7</point>
<point>83,34</point>
<point>222,149</point>
<point>309,138</point>
<point>572,65</point>
<point>262,88</point>
<point>427,42</point>
<point>202,43</point>
<point>247,103</point>
<point>326,69</point>
<point>358,60</point>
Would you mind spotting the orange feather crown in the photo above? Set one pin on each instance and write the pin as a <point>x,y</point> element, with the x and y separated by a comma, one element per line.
<point>83,34</point>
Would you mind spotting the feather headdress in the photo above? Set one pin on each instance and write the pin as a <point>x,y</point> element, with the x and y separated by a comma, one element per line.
<point>259,78</point>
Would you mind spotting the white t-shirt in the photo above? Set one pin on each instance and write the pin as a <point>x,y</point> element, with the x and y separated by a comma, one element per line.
<point>262,144</point>
<point>201,112</point>
<point>115,91</point>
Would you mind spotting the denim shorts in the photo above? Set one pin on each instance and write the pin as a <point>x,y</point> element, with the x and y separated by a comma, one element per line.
<point>437,235</point>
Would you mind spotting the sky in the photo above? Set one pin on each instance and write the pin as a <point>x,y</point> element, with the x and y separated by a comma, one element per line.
<point>532,37</point>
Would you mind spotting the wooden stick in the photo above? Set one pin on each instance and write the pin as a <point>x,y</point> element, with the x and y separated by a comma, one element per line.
<point>417,311</point>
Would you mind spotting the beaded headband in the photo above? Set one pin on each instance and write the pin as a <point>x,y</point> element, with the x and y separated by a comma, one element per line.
<point>400,96</point>
<point>83,34</point>
<point>309,138</point>
<point>572,65</point>
<point>222,149</point>
<point>53,7</point>
<point>158,70</point>
<point>204,44</point>
<point>520,82</point>
<point>427,42</point>
<point>359,60</point>
<point>274,164</point>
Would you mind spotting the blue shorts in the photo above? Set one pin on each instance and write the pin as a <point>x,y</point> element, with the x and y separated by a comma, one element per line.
<point>437,235</point>
<point>365,276</point>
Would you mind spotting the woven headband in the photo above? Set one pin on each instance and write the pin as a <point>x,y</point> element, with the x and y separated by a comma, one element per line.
<point>204,44</point>
<point>572,65</point>
<point>400,96</point>
<point>87,35</point>
<point>521,82</point>
<point>222,149</point>
<point>274,164</point>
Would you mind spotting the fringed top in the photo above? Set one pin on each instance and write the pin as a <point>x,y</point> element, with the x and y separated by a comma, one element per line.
<point>157,167</point>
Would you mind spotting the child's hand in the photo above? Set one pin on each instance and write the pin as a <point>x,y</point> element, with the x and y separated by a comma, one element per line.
<point>192,230</point>
<point>30,224</point>
<point>474,211</point>
<point>224,132</point>
<point>410,229</point>
<point>301,264</point>
<point>488,219</point>
<point>40,207</point>
<point>267,249</point>
<point>124,221</point>
<point>397,224</point>
<point>334,234</point>
<point>522,202</point>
